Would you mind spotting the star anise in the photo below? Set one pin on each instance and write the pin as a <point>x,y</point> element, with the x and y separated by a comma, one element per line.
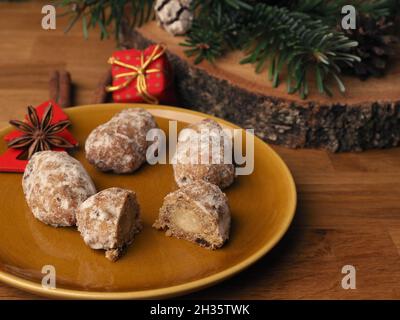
<point>39,135</point>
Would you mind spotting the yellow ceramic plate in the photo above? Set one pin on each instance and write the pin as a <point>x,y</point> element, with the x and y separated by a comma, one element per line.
<point>262,205</point>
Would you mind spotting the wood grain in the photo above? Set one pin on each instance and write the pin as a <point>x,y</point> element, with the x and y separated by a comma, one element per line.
<point>348,210</point>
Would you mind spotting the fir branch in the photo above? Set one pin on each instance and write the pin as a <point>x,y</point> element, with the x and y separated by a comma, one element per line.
<point>329,11</point>
<point>296,35</point>
<point>106,14</point>
<point>287,40</point>
<point>213,34</point>
<point>377,8</point>
<point>299,43</point>
<point>204,43</point>
<point>219,6</point>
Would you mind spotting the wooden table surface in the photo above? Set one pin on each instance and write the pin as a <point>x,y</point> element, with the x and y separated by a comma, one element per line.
<point>348,204</point>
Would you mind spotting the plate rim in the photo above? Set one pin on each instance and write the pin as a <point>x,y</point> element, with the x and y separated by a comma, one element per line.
<point>171,291</point>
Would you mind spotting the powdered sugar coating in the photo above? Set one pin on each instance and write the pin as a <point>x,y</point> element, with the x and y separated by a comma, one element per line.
<point>210,202</point>
<point>187,164</point>
<point>109,219</point>
<point>120,145</point>
<point>55,184</point>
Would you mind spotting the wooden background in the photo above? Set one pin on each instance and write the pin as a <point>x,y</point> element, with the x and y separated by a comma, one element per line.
<point>349,204</point>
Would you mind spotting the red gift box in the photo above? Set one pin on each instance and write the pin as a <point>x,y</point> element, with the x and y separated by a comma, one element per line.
<point>142,76</point>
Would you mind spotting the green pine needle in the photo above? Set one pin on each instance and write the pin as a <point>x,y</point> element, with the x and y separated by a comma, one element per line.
<point>106,14</point>
<point>284,39</point>
<point>295,36</point>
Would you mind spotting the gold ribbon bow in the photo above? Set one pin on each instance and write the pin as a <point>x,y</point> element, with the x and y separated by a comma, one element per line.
<point>139,73</point>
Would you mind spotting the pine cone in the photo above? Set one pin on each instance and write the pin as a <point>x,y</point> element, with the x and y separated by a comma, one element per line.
<point>375,46</point>
<point>175,16</point>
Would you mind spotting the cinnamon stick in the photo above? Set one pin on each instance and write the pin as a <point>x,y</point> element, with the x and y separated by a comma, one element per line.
<point>100,94</point>
<point>54,85</point>
<point>65,89</point>
<point>60,88</point>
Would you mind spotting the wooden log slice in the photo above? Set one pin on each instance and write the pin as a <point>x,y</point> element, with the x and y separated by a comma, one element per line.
<point>368,116</point>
